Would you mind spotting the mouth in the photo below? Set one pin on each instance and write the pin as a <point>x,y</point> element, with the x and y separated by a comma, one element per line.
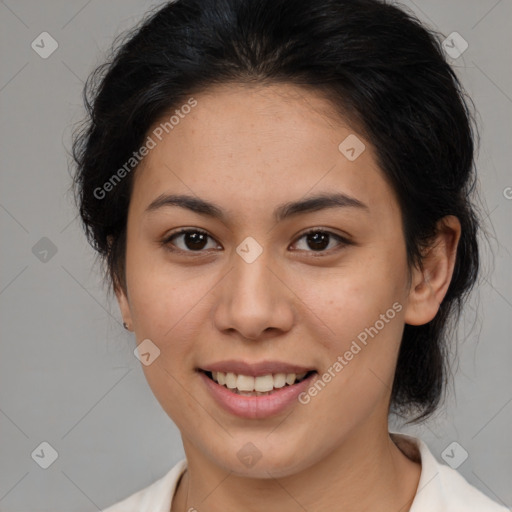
<point>254,386</point>
<point>255,390</point>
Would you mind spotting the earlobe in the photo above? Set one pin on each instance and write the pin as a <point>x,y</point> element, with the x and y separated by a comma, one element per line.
<point>124,307</point>
<point>430,283</point>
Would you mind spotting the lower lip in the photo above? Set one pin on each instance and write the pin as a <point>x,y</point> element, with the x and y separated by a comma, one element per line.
<point>254,407</point>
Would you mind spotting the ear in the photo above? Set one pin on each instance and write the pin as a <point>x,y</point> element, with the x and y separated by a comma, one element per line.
<point>124,306</point>
<point>122,297</point>
<point>429,287</point>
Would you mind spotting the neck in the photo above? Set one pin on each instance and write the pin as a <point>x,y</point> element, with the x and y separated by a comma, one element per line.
<point>367,472</point>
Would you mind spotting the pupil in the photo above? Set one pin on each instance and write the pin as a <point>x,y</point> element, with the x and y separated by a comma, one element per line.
<point>319,240</point>
<point>195,240</point>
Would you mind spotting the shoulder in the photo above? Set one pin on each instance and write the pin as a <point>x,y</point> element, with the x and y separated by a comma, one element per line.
<point>442,488</point>
<point>156,497</point>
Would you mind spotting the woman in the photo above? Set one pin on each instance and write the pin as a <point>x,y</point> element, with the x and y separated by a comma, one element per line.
<point>281,193</point>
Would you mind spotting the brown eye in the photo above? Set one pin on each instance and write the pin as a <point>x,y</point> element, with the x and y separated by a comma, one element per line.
<point>192,240</point>
<point>318,240</point>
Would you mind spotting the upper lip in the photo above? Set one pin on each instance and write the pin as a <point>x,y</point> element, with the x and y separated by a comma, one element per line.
<point>254,369</point>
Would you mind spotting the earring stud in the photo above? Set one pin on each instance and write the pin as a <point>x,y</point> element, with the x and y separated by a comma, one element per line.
<point>125,325</point>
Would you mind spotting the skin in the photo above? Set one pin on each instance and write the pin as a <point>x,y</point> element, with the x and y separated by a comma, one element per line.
<point>250,149</point>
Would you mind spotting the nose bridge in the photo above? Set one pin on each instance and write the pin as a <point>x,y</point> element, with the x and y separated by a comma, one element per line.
<point>253,299</point>
<point>252,278</point>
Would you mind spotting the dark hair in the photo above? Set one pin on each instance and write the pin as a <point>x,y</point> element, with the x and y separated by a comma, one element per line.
<point>384,72</point>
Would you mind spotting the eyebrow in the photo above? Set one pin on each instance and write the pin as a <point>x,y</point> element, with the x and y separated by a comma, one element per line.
<point>283,211</point>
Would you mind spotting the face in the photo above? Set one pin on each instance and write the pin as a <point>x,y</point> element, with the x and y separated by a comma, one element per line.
<point>247,290</point>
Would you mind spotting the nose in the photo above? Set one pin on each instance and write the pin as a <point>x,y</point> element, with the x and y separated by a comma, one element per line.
<point>254,300</point>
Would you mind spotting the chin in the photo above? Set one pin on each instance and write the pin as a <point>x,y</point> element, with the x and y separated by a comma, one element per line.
<point>257,457</point>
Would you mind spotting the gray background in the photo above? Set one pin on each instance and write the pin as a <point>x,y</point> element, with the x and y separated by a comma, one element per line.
<point>68,375</point>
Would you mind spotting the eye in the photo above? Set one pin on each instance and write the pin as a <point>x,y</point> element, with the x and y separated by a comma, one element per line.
<point>194,240</point>
<point>319,240</point>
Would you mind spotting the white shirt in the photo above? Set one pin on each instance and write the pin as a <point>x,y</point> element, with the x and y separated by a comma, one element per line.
<point>440,489</point>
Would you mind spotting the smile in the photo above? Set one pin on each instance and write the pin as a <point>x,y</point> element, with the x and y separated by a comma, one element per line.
<point>247,385</point>
<point>271,389</point>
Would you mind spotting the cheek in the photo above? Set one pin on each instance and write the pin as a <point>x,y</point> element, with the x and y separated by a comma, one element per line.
<point>364,313</point>
<point>352,299</point>
<point>363,305</point>
<point>164,309</point>
<point>161,294</point>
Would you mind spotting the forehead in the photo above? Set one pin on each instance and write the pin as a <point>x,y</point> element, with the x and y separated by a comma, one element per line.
<point>255,146</point>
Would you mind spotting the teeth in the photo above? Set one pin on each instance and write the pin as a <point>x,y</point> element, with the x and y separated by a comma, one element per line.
<point>280,380</point>
<point>263,383</point>
<point>290,378</point>
<point>230,380</point>
<point>247,385</point>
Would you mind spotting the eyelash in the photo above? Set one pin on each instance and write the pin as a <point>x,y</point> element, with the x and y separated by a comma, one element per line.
<point>166,242</point>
